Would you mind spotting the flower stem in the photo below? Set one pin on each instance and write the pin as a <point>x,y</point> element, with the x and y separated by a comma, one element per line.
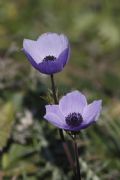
<point>56,102</point>
<point>54,89</point>
<point>78,174</point>
<point>66,149</point>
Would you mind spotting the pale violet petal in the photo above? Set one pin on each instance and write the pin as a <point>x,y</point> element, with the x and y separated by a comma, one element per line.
<point>55,109</point>
<point>32,48</point>
<point>64,41</point>
<point>72,102</point>
<point>54,116</point>
<point>92,111</point>
<point>52,44</point>
<point>55,120</point>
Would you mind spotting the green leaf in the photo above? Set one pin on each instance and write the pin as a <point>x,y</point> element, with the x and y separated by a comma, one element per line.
<point>6,122</point>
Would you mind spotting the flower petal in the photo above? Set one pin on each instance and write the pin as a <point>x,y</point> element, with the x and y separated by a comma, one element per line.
<point>48,44</point>
<point>77,128</point>
<point>54,116</point>
<point>32,48</point>
<point>64,56</point>
<point>83,125</point>
<point>55,109</point>
<point>72,102</point>
<point>91,112</point>
<point>52,44</point>
<point>49,67</point>
<point>31,60</point>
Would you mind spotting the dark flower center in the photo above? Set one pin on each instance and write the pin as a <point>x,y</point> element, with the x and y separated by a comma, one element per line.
<point>74,119</point>
<point>49,58</point>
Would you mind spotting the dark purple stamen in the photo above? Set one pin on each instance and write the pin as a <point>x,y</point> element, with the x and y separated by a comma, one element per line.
<point>49,58</point>
<point>74,119</point>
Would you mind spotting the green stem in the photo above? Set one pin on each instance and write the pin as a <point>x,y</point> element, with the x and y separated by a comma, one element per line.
<point>78,174</point>
<point>56,102</point>
<point>66,149</point>
<point>54,89</point>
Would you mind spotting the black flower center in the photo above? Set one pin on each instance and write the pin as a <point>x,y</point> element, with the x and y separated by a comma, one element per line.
<point>74,119</point>
<point>49,58</point>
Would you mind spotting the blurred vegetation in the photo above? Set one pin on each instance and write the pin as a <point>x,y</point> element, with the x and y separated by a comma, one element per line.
<point>30,147</point>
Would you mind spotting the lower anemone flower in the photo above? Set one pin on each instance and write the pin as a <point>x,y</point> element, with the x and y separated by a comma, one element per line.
<point>73,113</point>
<point>49,53</point>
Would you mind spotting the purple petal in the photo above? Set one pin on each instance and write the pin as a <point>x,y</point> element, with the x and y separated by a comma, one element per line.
<point>72,102</point>
<point>48,44</point>
<point>64,56</point>
<point>80,127</point>
<point>31,60</point>
<point>55,109</point>
<point>52,44</point>
<point>54,116</point>
<point>49,67</point>
<point>91,112</point>
<point>32,48</point>
<point>54,120</point>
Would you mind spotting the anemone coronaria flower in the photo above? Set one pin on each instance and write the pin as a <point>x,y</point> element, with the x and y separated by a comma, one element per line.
<point>49,53</point>
<point>73,113</point>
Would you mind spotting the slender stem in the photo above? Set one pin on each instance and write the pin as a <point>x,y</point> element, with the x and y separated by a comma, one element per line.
<point>54,89</point>
<point>56,102</point>
<point>78,174</point>
<point>66,149</point>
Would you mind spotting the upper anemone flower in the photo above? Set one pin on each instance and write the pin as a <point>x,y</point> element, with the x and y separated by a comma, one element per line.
<point>49,53</point>
<point>73,113</point>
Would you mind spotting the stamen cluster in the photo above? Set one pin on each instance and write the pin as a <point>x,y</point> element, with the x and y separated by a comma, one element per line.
<point>49,58</point>
<point>74,119</point>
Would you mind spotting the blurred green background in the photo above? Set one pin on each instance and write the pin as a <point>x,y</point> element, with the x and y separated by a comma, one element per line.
<point>30,147</point>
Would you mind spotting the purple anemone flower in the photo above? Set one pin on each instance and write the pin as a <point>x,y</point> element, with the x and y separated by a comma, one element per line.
<point>73,113</point>
<point>49,53</point>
